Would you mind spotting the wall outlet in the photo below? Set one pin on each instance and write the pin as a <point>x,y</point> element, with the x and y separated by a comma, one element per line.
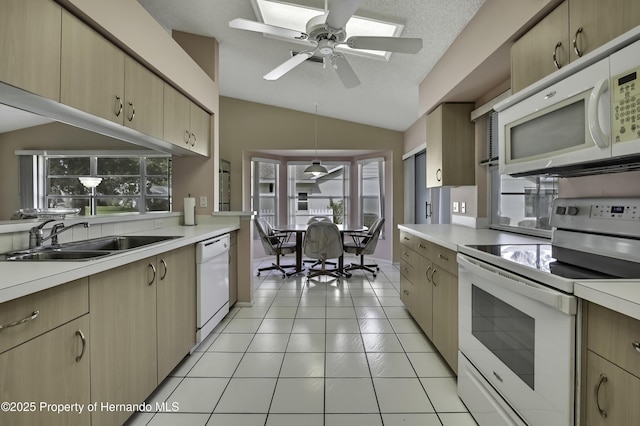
<point>456,207</point>
<point>203,201</point>
<point>463,207</point>
<point>157,223</point>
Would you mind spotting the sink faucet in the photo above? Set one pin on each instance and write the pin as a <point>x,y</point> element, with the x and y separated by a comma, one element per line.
<point>36,234</point>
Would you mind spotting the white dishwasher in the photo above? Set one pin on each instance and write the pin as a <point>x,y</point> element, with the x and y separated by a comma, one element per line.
<point>212,261</point>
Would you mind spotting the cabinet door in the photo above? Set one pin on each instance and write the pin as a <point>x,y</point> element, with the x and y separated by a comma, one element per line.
<point>92,76</point>
<point>617,396</point>
<point>532,55</point>
<point>445,315</point>
<point>177,117</point>
<point>408,291</point>
<point>52,368</point>
<point>601,21</point>
<point>233,270</point>
<point>143,99</point>
<point>30,46</point>
<point>434,148</point>
<point>425,296</point>
<point>176,307</point>
<point>200,130</point>
<point>124,369</point>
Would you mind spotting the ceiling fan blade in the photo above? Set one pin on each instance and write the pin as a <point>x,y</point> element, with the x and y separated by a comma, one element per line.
<point>346,74</point>
<point>389,44</point>
<point>340,12</point>
<point>287,66</point>
<point>259,27</point>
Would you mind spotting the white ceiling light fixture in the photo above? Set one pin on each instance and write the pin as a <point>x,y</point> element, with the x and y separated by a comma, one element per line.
<point>316,169</point>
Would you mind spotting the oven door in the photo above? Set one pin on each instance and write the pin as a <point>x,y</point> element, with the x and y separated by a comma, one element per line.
<point>520,335</point>
<point>567,123</point>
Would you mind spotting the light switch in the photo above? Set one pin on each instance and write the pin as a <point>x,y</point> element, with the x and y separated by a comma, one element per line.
<point>203,201</point>
<point>463,207</point>
<point>456,207</point>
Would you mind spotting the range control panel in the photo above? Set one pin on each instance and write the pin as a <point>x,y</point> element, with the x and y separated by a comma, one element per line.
<point>615,211</point>
<point>613,216</point>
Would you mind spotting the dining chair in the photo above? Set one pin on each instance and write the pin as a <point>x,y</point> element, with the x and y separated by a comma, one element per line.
<point>312,219</point>
<point>364,243</point>
<point>276,244</point>
<point>322,241</point>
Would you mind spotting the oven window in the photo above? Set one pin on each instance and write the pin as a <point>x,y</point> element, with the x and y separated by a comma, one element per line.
<point>507,332</point>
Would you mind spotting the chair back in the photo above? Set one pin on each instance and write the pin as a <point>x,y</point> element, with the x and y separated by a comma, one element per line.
<point>269,241</point>
<point>318,219</point>
<point>372,241</point>
<point>323,241</point>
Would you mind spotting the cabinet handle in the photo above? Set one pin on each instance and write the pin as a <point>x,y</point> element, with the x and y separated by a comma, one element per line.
<point>636,346</point>
<point>133,112</point>
<point>118,106</point>
<point>80,334</point>
<point>187,137</point>
<point>406,238</point>
<point>406,292</point>
<point>555,56</point>
<point>575,43</point>
<point>31,317</point>
<point>194,139</point>
<point>603,379</point>
<point>165,269</point>
<point>153,268</point>
<point>405,254</point>
<point>421,246</point>
<point>427,273</point>
<point>443,257</point>
<point>439,175</point>
<point>435,284</point>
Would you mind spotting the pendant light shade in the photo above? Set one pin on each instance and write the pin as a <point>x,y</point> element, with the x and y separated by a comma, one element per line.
<point>316,169</point>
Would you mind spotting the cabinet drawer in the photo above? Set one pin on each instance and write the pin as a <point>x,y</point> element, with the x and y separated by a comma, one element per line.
<point>614,336</point>
<point>407,270</point>
<point>409,256</point>
<point>407,240</point>
<point>444,258</point>
<point>54,307</point>
<point>423,247</point>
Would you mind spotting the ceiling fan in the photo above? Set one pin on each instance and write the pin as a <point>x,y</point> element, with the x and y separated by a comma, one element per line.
<point>326,32</point>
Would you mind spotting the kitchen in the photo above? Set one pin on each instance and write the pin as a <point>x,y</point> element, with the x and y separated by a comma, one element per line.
<point>434,91</point>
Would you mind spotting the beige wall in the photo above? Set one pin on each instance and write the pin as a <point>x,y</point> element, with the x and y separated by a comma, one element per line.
<point>247,126</point>
<point>54,136</point>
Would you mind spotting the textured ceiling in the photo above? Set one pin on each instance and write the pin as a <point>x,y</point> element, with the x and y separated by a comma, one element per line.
<point>388,95</point>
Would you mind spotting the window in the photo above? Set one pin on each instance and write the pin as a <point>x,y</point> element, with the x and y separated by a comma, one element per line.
<point>264,189</point>
<point>132,183</point>
<point>371,187</point>
<point>325,195</point>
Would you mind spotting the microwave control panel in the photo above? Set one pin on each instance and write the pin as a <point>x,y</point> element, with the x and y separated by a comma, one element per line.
<point>626,106</point>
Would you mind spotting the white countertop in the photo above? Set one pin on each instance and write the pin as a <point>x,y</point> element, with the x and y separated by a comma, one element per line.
<point>618,295</point>
<point>19,279</point>
<point>452,236</point>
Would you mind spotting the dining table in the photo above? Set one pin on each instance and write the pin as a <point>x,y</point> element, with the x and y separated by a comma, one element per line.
<point>300,229</point>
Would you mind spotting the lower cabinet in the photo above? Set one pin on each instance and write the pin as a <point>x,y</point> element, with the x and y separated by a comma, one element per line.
<point>52,369</point>
<point>429,290</point>
<point>124,368</point>
<point>233,268</point>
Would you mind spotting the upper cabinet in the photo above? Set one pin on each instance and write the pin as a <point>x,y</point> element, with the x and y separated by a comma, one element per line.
<point>450,146</point>
<point>185,123</point>
<point>98,78</point>
<point>30,46</point>
<point>573,29</point>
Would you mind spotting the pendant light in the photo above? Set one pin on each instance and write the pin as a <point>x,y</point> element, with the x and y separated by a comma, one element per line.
<point>316,169</point>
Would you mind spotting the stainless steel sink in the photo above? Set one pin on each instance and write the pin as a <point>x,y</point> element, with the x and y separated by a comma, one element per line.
<point>115,243</point>
<point>85,250</point>
<point>55,255</point>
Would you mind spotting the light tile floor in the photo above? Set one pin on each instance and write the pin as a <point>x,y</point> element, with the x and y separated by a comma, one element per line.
<point>325,353</point>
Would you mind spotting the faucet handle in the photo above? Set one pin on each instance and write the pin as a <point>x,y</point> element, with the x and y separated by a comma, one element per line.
<point>35,234</point>
<point>35,229</point>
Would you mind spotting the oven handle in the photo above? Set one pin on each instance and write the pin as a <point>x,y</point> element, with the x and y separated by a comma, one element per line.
<point>560,301</point>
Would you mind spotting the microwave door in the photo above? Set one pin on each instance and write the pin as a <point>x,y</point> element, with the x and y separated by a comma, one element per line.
<point>565,124</point>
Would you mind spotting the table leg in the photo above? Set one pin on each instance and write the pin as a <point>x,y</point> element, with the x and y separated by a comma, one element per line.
<point>299,268</point>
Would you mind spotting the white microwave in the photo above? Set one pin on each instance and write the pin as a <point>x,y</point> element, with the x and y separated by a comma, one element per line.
<point>589,119</point>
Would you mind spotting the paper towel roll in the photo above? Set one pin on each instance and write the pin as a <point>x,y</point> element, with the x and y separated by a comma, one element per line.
<point>189,211</point>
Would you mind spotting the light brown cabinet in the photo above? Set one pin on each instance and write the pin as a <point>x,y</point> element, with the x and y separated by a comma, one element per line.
<point>572,30</point>
<point>44,354</point>
<point>233,268</point>
<point>124,367</point>
<point>30,46</point>
<point>611,364</point>
<point>143,91</point>
<point>429,290</point>
<point>185,123</point>
<point>176,292</point>
<point>450,146</point>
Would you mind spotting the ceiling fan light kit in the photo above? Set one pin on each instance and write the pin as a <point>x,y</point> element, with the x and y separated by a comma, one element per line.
<point>326,32</point>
